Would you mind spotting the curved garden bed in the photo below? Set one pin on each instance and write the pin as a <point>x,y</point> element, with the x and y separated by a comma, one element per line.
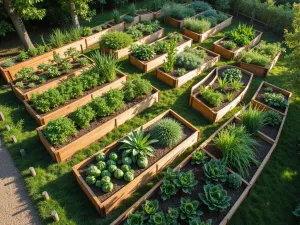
<point>228,97</point>
<point>105,202</point>
<point>174,80</point>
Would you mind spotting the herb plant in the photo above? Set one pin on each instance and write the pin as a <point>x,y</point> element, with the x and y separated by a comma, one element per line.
<point>143,52</point>
<point>150,207</point>
<point>234,180</point>
<point>253,119</point>
<point>195,25</point>
<point>272,118</point>
<point>177,11</point>
<point>213,97</point>
<point>116,40</point>
<point>167,189</point>
<point>135,219</point>
<point>232,74</point>
<point>275,100</point>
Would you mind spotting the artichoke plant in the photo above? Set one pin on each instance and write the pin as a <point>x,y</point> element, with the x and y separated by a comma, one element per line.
<point>172,216</point>
<point>186,181</point>
<point>189,209</point>
<point>215,171</point>
<point>167,189</point>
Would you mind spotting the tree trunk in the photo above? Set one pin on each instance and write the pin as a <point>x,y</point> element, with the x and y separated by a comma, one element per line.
<point>74,15</point>
<point>18,24</point>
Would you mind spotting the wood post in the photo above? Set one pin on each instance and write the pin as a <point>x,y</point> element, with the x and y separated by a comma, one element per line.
<point>32,171</point>
<point>13,138</point>
<point>22,152</point>
<point>7,127</point>
<point>46,195</point>
<point>55,216</point>
<point>2,116</point>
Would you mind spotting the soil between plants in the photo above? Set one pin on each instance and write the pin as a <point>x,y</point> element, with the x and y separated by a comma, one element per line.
<point>174,201</point>
<point>270,131</point>
<point>245,80</point>
<point>260,98</point>
<point>118,76</point>
<point>157,155</point>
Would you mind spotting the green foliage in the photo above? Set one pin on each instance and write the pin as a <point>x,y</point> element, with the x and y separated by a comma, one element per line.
<point>74,34</point>
<point>84,62</point>
<point>199,6</point>
<point>28,9</point>
<point>25,74</point>
<point>112,168</point>
<point>215,197</point>
<point>254,57</point>
<point>135,219</point>
<point>235,180</point>
<point>101,165</point>
<point>167,189</point>
<point>253,119</point>
<point>128,176</point>
<point>143,52</point>
<point>161,46</point>
<point>168,65</point>
<point>198,157</point>
<point>128,19</point>
<point>107,187</point>
<point>223,84</point>
<point>100,157</point>
<point>86,31</point>
<point>237,147</point>
<point>90,180</point>
<point>269,49</point>
<point>83,116</point>
<point>116,40</point>
<point>177,11</point>
<point>276,100</point>
<point>242,35</point>
<point>230,45</point>
<point>111,162</point>
<point>190,59</point>
<point>72,53</point>
<point>126,168</point>
<point>215,171</point>
<point>195,25</point>
<point>296,212</point>
<point>229,96</point>
<point>211,96</point>
<point>118,174</point>
<point>5,28</point>
<point>116,16</point>
<point>272,118</point>
<point>126,160</point>
<point>157,218</point>
<point>105,173</point>
<point>57,38</point>
<point>142,162</point>
<point>136,145</point>
<point>170,174</point>
<point>222,5</point>
<point>135,33</point>
<point>59,131</point>
<point>268,89</point>
<point>22,56</point>
<point>32,52</point>
<point>189,209</point>
<point>167,131</point>
<point>197,221</point>
<point>150,207</point>
<point>132,9</point>
<point>180,72</point>
<point>172,216</point>
<point>113,156</point>
<point>236,85</point>
<point>186,181</point>
<point>8,63</point>
<point>175,36</point>
<point>232,74</point>
<point>93,171</point>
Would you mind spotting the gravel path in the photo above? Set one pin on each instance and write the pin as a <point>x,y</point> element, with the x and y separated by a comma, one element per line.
<point>15,206</point>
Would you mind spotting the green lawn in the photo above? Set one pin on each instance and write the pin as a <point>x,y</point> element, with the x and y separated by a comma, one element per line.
<point>271,201</point>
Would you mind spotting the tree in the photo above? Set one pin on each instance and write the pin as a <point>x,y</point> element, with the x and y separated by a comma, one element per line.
<point>292,39</point>
<point>78,8</point>
<point>23,9</point>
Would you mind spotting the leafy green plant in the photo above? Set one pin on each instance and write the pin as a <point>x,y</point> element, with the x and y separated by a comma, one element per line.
<point>25,74</point>
<point>73,53</point>
<point>150,207</point>
<point>256,58</point>
<point>272,118</point>
<point>84,62</point>
<point>59,131</point>
<point>211,96</point>
<point>143,52</point>
<point>223,84</point>
<point>167,189</point>
<point>235,180</point>
<point>23,56</point>
<point>170,174</point>
<point>175,37</point>
<point>197,221</point>
<point>93,171</point>
<point>134,32</point>
<point>100,157</point>
<point>186,181</point>
<point>142,162</point>
<point>83,116</point>
<point>268,90</point>
<point>168,65</point>
<point>253,119</point>
<point>128,19</point>
<point>229,96</point>
<point>177,11</point>
<point>57,38</point>
<point>167,131</point>
<point>136,88</point>
<point>157,218</point>
<point>8,63</point>
<point>65,66</point>
<point>189,209</point>
<point>118,174</point>
<point>90,180</point>
<point>53,71</point>
<point>215,197</point>
<point>86,31</point>
<point>116,40</point>
<point>32,52</point>
<point>195,25</point>
<point>198,157</point>
<point>199,6</point>
<point>296,212</point>
<point>172,216</point>
<point>232,74</point>
<point>237,147</point>
<point>236,85</point>
<point>180,72</point>
<point>230,45</point>
<point>270,49</point>
<point>135,219</point>
<point>132,9</point>
<point>116,16</point>
<point>276,100</point>
<point>137,145</point>
<point>215,171</point>
<point>190,59</point>
<point>128,176</point>
<point>242,35</point>
<point>107,187</point>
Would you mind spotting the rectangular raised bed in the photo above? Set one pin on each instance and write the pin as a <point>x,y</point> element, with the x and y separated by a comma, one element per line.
<point>146,16</point>
<point>24,94</point>
<point>176,23</point>
<point>146,66</point>
<point>179,81</point>
<point>67,151</point>
<point>208,112</point>
<point>122,194</point>
<point>153,194</point>
<point>197,37</point>
<point>232,54</point>
<point>126,51</point>
<point>259,70</point>
<point>43,119</point>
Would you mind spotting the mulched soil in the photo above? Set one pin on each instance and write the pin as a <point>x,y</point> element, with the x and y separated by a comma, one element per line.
<point>118,184</point>
<point>270,131</point>
<point>174,201</point>
<point>245,80</point>
<point>260,98</point>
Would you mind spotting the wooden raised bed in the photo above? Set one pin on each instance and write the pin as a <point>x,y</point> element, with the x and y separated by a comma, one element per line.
<point>146,16</point>
<point>259,70</point>
<point>106,206</point>
<point>197,37</point>
<point>176,23</point>
<point>146,66</point>
<point>232,54</point>
<point>126,51</point>
<point>215,114</point>
<point>43,119</point>
<point>237,196</point>
<point>63,153</point>
<point>25,94</point>
<point>175,81</point>
<point>257,99</point>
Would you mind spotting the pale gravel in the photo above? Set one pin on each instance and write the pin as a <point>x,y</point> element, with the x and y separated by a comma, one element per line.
<point>15,206</point>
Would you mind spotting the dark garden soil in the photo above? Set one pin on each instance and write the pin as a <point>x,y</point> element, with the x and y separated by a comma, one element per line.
<point>245,80</point>
<point>174,201</point>
<point>95,124</point>
<point>270,131</point>
<point>157,155</point>
<point>260,98</point>
<point>118,76</point>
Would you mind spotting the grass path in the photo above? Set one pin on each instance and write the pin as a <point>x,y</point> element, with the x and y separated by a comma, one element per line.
<point>271,201</point>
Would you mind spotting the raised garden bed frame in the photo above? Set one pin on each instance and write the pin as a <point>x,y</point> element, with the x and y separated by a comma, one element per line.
<point>157,61</point>
<point>43,119</point>
<point>26,95</point>
<point>117,198</point>
<point>126,51</point>
<point>232,54</point>
<point>200,37</point>
<point>207,111</point>
<point>176,82</point>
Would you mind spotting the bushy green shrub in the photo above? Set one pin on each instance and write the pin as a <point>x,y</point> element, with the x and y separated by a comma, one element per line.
<point>32,52</point>
<point>254,57</point>
<point>167,131</point>
<point>86,31</point>
<point>272,118</point>
<point>175,36</point>
<point>235,180</point>
<point>59,131</point>
<point>276,100</point>
<point>116,40</point>
<point>128,19</point>
<point>270,49</point>
<point>143,52</point>
<point>83,62</point>
<point>161,46</point>
<point>22,56</point>
<point>186,181</point>
<point>167,189</point>
<point>253,119</point>
<point>83,116</point>
<point>229,45</point>
<point>242,35</point>
<point>210,13</point>
<point>134,32</point>
<point>199,6</point>
<point>213,97</point>
<point>195,25</point>
<point>177,11</point>
<point>190,59</point>
<point>8,63</point>
<point>189,209</point>
<point>232,74</point>
<point>215,171</point>
<point>136,88</point>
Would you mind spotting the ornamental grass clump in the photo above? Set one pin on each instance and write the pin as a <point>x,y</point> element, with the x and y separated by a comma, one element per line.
<point>168,131</point>
<point>116,40</point>
<point>253,119</point>
<point>237,147</point>
<point>195,25</point>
